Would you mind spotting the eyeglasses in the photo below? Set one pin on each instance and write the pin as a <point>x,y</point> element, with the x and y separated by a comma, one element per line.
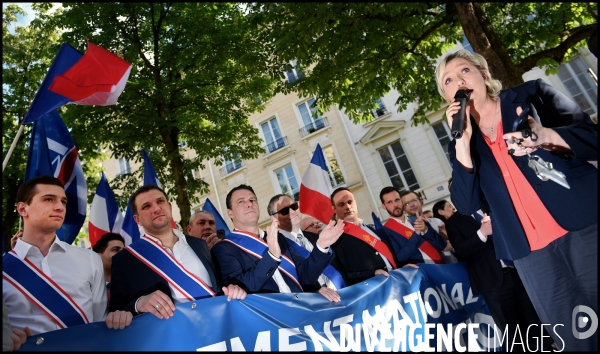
<point>286,210</point>
<point>411,202</point>
<point>316,225</point>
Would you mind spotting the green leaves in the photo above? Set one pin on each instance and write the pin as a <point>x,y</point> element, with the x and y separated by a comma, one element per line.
<point>356,52</point>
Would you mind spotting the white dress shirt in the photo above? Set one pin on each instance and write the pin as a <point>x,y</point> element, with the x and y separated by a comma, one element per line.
<point>296,237</point>
<point>78,271</point>
<point>283,287</point>
<point>185,255</point>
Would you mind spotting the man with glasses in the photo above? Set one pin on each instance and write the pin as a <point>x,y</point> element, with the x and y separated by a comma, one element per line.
<point>408,246</point>
<point>264,262</point>
<point>289,217</point>
<point>311,224</point>
<point>413,207</point>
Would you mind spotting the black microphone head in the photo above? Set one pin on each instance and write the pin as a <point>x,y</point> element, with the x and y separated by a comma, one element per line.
<point>462,93</point>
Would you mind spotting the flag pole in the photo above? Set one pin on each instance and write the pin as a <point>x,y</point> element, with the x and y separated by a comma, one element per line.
<point>12,147</point>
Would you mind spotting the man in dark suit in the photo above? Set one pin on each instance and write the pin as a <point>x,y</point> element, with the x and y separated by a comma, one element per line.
<point>263,262</point>
<point>289,217</point>
<point>409,250</point>
<point>357,259</point>
<point>499,283</point>
<point>162,268</point>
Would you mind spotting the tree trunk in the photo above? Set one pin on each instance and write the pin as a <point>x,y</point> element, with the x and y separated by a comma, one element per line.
<point>170,138</point>
<point>483,39</point>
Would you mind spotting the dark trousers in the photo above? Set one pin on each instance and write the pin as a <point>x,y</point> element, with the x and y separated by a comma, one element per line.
<point>513,311</point>
<point>562,282</point>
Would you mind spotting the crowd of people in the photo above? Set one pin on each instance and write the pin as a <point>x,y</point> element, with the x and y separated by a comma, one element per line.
<point>530,245</point>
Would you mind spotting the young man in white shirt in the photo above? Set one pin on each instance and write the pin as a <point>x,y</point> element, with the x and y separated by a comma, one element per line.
<point>40,263</point>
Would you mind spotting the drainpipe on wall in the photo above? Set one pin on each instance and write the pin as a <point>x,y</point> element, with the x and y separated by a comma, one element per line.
<point>375,206</point>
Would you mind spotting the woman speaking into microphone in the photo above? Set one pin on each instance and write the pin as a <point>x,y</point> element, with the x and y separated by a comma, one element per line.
<point>535,175</point>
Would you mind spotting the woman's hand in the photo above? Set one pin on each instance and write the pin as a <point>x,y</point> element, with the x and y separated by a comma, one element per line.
<point>463,145</point>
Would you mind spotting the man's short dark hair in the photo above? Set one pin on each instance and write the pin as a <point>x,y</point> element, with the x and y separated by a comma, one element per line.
<point>144,189</point>
<point>387,190</point>
<point>406,192</point>
<point>241,186</point>
<point>28,189</point>
<point>102,243</point>
<point>274,200</point>
<point>337,191</point>
<point>436,209</point>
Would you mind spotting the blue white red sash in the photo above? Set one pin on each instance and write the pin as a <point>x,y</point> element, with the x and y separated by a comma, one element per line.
<point>151,253</point>
<point>255,247</point>
<point>329,271</point>
<point>42,291</point>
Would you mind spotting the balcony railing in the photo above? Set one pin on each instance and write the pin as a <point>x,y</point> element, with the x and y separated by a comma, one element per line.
<point>379,111</point>
<point>275,145</point>
<point>318,124</point>
<point>230,167</point>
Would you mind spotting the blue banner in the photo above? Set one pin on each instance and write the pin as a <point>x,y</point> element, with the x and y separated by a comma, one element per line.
<point>407,311</point>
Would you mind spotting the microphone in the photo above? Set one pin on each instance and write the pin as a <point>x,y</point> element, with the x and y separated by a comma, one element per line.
<point>458,122</point>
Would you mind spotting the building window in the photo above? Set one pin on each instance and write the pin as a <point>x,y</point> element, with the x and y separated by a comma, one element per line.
<point>580,85</point>
<point>272,135</point>
<point>288,182</point>
<point>443,135</point>
<point>310,117</point>
<point>380,110</point>
<point>398,168</point>
<point>231,165</point>
<point>124,166</point>
<point>333,167</point>
<point>296,73</point>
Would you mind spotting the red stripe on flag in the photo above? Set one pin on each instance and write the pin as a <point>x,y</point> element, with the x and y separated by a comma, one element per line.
<point>95,233</point>
<point>315,204</point>
<point>67,166</point>
<point>98,70</point>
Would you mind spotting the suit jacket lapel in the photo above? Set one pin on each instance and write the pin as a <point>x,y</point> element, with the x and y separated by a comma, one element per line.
<point>207,264</point>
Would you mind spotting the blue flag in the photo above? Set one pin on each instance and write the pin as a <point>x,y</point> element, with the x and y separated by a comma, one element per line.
<point>46,101</point>
<point>376,222</point>
<point>52,152</point>
<point>221,225</point>
<point>150,176</point>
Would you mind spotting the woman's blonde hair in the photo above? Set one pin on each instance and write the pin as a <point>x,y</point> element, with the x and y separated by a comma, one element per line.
<point>493,86</point>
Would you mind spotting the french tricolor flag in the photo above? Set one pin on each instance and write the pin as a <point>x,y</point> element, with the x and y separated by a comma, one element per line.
<point>95,78</point>
<point>315,189</point>
<point>105,215</point>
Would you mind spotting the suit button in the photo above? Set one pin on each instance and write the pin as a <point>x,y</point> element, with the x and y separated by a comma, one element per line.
<point>522,163</point>
<point>377,253</point>
<point>538,187</point>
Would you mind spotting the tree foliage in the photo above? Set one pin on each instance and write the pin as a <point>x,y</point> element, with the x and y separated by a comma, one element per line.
<point>26,54</point>
<point>353,53</point>
<point>198,70</point>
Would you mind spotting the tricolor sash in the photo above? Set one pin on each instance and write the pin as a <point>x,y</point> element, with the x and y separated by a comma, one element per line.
<point>152,254</point>
<point>329,271</point>
<point>405,232</point>
<point>378,245</point>
<point>42,291</point>
<point>255,247</point>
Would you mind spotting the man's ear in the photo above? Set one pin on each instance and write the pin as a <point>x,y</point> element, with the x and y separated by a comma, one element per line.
<point>230,214</point>
<point>21,208</point>
<point>136,219</point>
